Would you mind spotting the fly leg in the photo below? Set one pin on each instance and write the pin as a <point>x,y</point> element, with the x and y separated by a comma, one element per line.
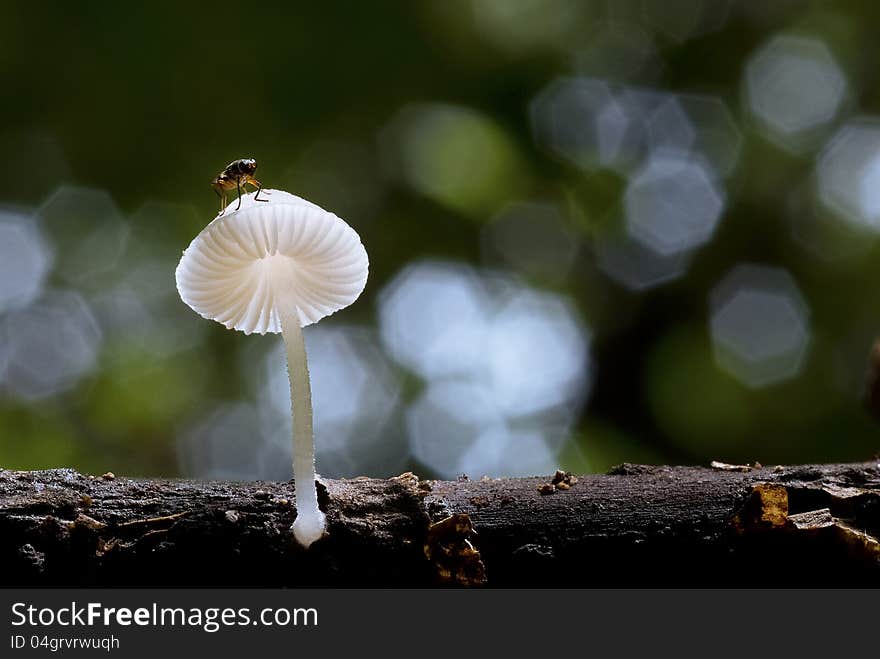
<point>222,197</point>
<point>259,186</point>
<point>238,185</point>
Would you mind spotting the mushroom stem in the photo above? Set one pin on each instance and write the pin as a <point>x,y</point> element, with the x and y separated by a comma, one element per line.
<point>310,521</point>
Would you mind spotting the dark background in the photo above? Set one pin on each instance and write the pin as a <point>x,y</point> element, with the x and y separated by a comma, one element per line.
<point>598,232</point>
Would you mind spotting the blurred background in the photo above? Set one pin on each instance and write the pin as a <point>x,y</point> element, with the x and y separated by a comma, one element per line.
<point>599,231</point>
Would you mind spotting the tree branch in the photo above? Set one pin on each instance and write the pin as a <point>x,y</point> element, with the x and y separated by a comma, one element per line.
<point>638,525</point>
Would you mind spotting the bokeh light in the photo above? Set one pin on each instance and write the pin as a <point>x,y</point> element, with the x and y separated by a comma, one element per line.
<point>536,354</point>
<point>794,88</point>
<point>433,317</point>
<point>636,266</point>
<point>849,174</point>
<point>48,346</point>
<point>25,260</point>
<point>454,155</point>
<point>514,26</point>
<point>442,320</point>
<point>760,325</point>
<point>229,444</point>
<point>717,139</point>
<point>579,120</point>
<point>355,394</point>
<point>594,124</point>
<point>141,305</point>
<point>87,230</point>
<point>455,428</point>
<point>672,205</point>
<point>496,354</point>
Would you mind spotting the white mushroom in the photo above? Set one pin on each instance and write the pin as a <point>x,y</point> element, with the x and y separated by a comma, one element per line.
<point>277,267</point>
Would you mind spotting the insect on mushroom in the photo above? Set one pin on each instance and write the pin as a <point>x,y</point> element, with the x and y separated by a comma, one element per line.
<point>237,175</point>
<point>278,267</point>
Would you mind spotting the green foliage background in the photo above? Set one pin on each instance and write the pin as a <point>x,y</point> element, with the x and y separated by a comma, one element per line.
<point>149,100</point>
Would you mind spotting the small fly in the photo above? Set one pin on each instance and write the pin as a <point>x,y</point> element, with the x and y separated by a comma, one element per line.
<point>237,175</point>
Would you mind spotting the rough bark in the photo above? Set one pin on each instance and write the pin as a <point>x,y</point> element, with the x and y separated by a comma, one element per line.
<point>638,525</point>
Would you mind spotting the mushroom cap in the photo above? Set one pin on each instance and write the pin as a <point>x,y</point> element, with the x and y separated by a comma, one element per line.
<point>285,251</point>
